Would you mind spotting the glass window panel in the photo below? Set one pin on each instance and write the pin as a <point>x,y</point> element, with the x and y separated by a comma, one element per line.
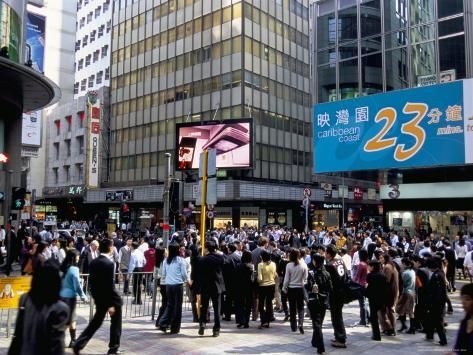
<point>237,10</point>
<point>423,62</point>
<point>452,26</point>
<point>370,45</point>
<point>348,79</point>
<point>422,11</point>
<point>449,7</point>
<point>180,32</point>
<point>216,51</point>
<point>171,35</point>
<point>370,17</point>
<point>452,57</point>
<point>396,39</point>
<point>236,44</point>
<point>422,33</point>
<point>227,14</point>
<point>164,38</point>
<point>207,21</point>
<point>325,83</point>
<point>346,51</point>
<point>226,47</point>
<point>154,129</point>
<point>217,15</point>
<point>347,25</point>
<point>371,74</point>
<point>198,25</point>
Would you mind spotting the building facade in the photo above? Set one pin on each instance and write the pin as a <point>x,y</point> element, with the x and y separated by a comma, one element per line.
<point>190,61</point>
<point>92,45</point>
<point>364,47</point>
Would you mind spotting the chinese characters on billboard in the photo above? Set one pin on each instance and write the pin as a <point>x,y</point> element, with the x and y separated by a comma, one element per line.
<point>231,139</point>
<point>93,159</point>
<point>422,127</point>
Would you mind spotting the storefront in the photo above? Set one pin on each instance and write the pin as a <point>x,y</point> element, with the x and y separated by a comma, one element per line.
<point>67,202</point>
<point>327,215</point>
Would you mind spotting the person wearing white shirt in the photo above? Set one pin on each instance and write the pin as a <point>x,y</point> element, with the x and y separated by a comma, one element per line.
<point>468,264</point>
<point>394,239</point>
<point>137,264</point>
<point>347,260</point>
<point>426,249</point>
<point>355,261</point>
<point>144,246</point>
<point>367,241</point>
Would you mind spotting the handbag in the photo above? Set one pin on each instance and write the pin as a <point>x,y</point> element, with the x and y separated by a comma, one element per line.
<point>28,268</point>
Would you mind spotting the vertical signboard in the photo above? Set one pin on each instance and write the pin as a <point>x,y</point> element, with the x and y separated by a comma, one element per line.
<point>31,129</point>
<point>35,38</point>
<point>93,113</point>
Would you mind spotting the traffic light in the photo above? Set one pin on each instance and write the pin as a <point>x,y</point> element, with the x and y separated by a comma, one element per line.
<point>18,198</point>
<point>4,158</point>
<point>125,213</point>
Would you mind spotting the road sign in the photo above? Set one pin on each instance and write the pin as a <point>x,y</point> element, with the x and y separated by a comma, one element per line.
<point>307,192</point>
<point>2,196</point>
<point>4,158</point>
<point>210,214</point>
<point>211,163</point>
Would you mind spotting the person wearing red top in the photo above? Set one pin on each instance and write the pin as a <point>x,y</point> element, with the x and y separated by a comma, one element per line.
<point>150,256</point>
<point>360,278</point>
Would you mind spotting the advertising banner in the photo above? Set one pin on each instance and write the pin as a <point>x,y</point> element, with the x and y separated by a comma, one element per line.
<point>93,151</point>
<point>31,129</point>
<point>11,288</point>
<point>35,38</point>
<point>421,127</point>
<point>231,139</point>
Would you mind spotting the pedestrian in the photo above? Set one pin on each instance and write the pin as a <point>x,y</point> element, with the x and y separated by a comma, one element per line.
<point>124,256</point>
<point>135,269</point>
<point>339,275</point>
<point>232,260</point>
<point>243,290</point>
<point>461,250</point>
<point>150,256</point>
<point>319,288</point>
<point>361,279</point>
<point>42,316</point>
<point>464,341</point>
<point>256,257</point>
<point>294,282</point>
<point>436,299</point>
<point>388,320</point>
<point>210,285</point>
<point>405,306</point>
<point>161,254</point>
<point>71,288</point>
<point>175,273</point>
<point>266,286</point>
<point>377,290</point>
<point>106,297</point>
<point>422,279</point>
<point>450,257</point>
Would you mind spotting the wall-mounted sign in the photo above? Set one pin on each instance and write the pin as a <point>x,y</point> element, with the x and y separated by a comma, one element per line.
<point>31,129</point>
<point>93,152</point>
<point>64,191</point>
<point>120,196</point>
<point>357,193</point>
<point>332,206</point>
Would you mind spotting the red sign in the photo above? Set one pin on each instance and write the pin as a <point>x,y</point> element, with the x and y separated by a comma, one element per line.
<point>166,227</point>
<point>357,193</point>
<point>4,158</point>
<point>95,113</point>
<point>95,127</point>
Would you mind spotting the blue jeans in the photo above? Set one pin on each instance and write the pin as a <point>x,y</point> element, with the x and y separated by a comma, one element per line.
<point>364,311</point>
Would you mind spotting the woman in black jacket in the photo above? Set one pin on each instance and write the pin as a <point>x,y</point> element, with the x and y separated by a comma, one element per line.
<point>377,292</point>
<point>244,290</point>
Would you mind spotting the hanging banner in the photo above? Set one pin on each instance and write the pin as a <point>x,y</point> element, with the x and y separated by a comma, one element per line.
<point>93,151</point>
<point>422,127</point>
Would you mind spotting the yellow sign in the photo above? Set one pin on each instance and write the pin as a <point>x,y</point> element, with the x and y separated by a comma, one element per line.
<point>11,288</point>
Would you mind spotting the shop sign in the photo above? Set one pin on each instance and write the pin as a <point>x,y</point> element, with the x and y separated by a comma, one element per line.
<point>332,206</point>
<point>427,190</point>
<point>75,190</point>
<point>276,217</point>
<point>357,193</point>
<point>122,195</point>
<point>64,191</point>
<point>371,194</point>
<point>11,289</point>
<point>93,153</point>
<point>419,127</point>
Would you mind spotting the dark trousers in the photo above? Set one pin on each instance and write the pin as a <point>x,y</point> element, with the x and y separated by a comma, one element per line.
<point>193,300</point>
<point>284,302</point>
<point>172,315</point>
<point>216,303</point>
<point>296,306</point>
<point>228,305</point>
<point>420,314</point>
<point>451,278</point>
<point>137,281</point>
<point>374,320</point>
<point>336,315</point>
<point>96,322</point>
<point>126,280</point>
<point>265,303</point>
<point>255,306</point>
<point>434,322</point>
<point>164,302</point>
<point>317,314</point>
<point>243,303</point>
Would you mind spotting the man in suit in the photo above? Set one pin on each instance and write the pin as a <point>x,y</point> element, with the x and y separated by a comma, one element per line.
<point>210,285</point>
<point>90,253</point>
<point>106,297</point>
<point>232,261</point>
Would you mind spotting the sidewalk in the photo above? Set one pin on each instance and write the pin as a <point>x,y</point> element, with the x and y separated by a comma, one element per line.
<point>140,337</point>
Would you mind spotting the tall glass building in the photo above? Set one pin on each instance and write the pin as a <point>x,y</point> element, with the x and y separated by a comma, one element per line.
<point>179,61</point>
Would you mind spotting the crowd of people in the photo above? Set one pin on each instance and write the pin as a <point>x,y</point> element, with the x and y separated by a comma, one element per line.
<point>253,274</point>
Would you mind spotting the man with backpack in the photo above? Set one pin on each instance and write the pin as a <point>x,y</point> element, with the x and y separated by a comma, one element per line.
<point>339,276</point>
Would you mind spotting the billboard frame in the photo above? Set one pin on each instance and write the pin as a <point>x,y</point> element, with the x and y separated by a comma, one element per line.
<point>248,120</point>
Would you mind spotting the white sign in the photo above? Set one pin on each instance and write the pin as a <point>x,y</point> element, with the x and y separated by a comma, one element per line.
<point>427,191</point>
<point>468,120</point>
<point>93,153</point>
<point>29,152</point>
<point>31,129</point>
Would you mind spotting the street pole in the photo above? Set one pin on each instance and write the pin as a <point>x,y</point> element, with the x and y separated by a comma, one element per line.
<point>167,183</point>
<point>307,216</point>
<point>203,209</point>
<point>343,201</point>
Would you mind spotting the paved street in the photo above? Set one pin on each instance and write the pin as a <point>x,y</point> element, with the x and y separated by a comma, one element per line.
<point>141,337</point>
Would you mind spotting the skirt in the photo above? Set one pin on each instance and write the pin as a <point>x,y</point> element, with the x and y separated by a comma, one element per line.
<point>71,302</point>
<point>405,305</point>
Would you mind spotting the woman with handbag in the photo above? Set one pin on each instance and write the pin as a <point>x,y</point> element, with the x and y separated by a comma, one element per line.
<point>266,287</point>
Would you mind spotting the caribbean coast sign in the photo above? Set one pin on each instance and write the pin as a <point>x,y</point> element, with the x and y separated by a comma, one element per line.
<point>421,127</point>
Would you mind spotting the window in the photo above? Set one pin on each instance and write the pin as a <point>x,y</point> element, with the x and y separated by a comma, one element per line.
<point>82,22</point>
<point>83,84</point>
<point>67,172</point>
<point>97,11</point>
<point>87,60</point>
<point>76,88</point>
<point>109,26</point>
<point>68,147</point>
<point>101,29</point>
<point>69,122</point>
<point>106,5</point>
<point>107,73</point>
<point>56,176</point>
<point>80,144</point>
<point>92,36</point>
<point>91,81</point>
<point>58,127</point>
<point>80,172</point>
<point>81,64</point>
<point>104,51</point>
<point>99,77</point>
<point>77,45</point>
<point>56,151</point>
<point>96,55</point>
<point>84,41</point>
<point>89,17</point>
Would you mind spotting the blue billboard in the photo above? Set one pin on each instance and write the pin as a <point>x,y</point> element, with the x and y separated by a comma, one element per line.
<point>35,37</point>
<point>421,127</point>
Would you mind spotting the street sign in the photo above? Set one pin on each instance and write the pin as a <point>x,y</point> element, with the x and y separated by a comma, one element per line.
<point>2,196</point>
<point>211,163</point>
<point>210,214</point>
<point>212,191</point>
<point>4,158</point>
<point>307,192</point>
